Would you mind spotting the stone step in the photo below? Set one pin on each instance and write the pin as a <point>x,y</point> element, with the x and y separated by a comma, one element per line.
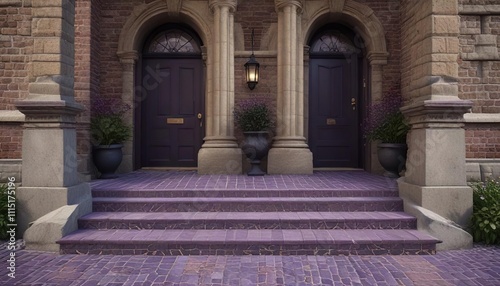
<point>248,242</point>
<point>241,193</point>
<point>248,220</point>
<point>273,204</point>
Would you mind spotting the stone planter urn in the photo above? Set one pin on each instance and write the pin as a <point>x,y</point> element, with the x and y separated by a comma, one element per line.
<point>107,158</point>
<point>256,146</point>
<point>392,157</point>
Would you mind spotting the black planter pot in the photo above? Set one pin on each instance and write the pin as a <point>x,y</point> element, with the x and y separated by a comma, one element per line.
<point>392,157</point>
<point>107,158</point>
<point>256,147</point>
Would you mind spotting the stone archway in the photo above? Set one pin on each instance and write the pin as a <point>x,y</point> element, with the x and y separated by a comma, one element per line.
<point>362,20</point>
<point>142,21</point>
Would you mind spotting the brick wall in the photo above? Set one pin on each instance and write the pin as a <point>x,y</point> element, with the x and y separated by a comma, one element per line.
<point>483,141</point>
<point>10,141</point>
<point>388,13</point>
<point>257,15</point>
<point>16,47</point>
<point>113,15</point>
<point>87,68</point>
<point>479,81</point>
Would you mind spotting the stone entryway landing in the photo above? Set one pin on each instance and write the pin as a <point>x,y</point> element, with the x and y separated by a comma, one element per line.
<point>182,213</point>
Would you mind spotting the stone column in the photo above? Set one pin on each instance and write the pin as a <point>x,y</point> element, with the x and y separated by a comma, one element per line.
<point>51,195</point>
<point>434,187</point>
<point>220,154</point>
<point>290,153</point>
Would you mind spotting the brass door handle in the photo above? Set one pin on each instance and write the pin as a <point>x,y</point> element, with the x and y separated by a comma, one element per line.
<point>353,103</point>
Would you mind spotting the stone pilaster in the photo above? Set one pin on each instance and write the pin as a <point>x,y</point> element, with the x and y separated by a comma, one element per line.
<point>290,153</point>
<point>220,153</point>
<point>51,195</point>
<point>434,188</point>
<point>128,61</point>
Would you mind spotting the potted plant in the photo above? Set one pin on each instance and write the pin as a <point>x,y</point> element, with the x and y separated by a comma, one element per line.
<point>108,131</point>
<point>386,124</point>
<point>253,117</point>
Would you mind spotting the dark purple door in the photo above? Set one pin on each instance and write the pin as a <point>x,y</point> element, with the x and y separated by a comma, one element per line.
<point>172,132</point>
<point>333,112</point>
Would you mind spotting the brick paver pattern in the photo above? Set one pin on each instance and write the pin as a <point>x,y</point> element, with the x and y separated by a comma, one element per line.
<point>478,266</point>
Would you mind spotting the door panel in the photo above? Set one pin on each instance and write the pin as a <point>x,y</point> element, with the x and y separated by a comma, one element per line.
<point>174,91</point>
<point>333,123</point>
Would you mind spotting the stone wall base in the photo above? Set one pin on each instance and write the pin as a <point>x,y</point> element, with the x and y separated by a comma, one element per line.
<point>482,169</point>
<point>35,202</point>
<point>219,161</point>
<point>10,168</point>
<point>290,161</point>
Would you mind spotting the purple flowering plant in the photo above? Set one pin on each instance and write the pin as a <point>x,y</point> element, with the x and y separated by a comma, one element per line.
<point>107,126</point>
<point>253,114</point>
<point>385,122</point>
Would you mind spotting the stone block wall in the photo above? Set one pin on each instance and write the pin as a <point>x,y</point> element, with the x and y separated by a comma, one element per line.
<point>430,45</point>
<point>479,76</point>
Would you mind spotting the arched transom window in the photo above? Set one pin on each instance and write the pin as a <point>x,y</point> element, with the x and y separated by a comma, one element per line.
<point>172,41</point>
<point>333,41</point>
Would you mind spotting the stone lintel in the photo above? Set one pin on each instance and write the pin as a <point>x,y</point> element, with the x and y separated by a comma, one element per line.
<point>437,113</point>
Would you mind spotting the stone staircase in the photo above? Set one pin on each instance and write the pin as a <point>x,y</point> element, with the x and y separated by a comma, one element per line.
<point>304,220</point>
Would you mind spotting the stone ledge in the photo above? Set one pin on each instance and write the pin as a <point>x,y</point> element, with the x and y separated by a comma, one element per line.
<point>11,116</point>
<point>479,9</point>
<point>482,169</point>
<point>482,117</point>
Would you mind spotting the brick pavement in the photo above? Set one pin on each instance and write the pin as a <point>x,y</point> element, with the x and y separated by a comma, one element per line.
<point>477,266</point>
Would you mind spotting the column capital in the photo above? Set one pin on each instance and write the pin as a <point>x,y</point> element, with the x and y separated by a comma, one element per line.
<point>377,58</point>
<point>127,57</point>
<point>280,4</point>
<point>437,113</point>
<point>214,4</point>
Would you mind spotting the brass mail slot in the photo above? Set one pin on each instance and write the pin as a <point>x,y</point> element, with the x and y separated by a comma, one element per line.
<point>175,120</point>
<point>331,121</point>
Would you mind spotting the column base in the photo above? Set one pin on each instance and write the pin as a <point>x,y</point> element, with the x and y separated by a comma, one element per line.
<point>220,161</point>
<point>290,161</point>
<point>441,211</point>
<point>35,202</point>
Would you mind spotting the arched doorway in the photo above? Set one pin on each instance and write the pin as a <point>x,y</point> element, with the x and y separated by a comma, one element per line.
<point>172,106</point>
<point>335,67</point>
